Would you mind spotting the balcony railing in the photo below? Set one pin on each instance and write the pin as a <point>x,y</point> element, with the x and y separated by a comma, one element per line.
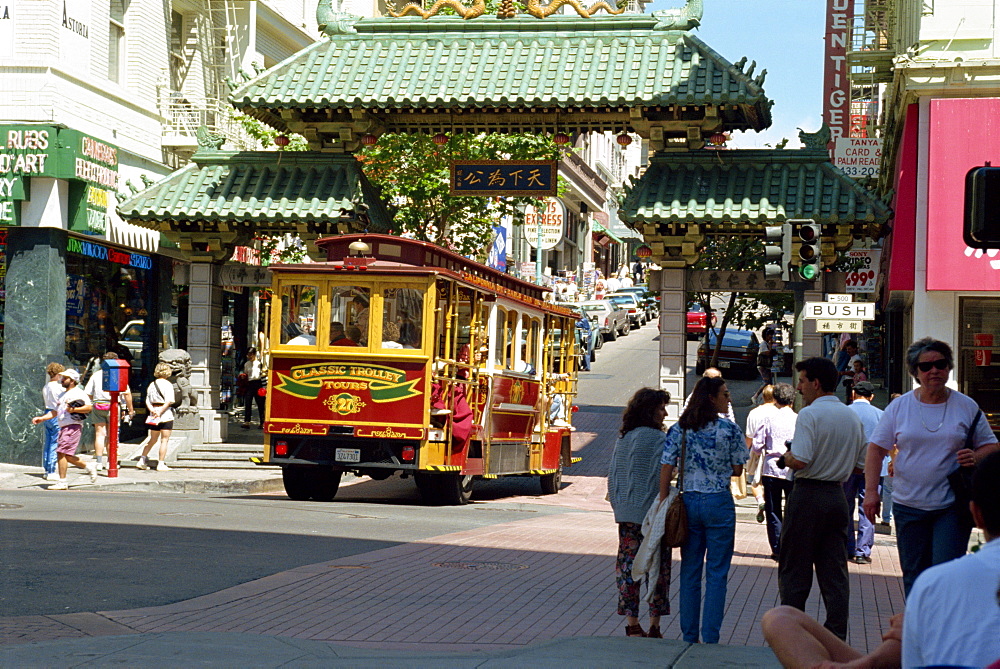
<point>183,117</point>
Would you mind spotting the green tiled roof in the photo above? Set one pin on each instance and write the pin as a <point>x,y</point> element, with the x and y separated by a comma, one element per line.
<point>263,190</point>
<point>558,62</point>
<point>749,186</point>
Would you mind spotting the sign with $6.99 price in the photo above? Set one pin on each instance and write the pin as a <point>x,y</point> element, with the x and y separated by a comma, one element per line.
<point>861,279</point>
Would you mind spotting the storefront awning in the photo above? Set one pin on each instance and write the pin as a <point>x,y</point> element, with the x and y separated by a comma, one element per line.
<point>600,230</point>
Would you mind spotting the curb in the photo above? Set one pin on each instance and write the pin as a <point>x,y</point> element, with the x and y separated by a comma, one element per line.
<point>199,486</point>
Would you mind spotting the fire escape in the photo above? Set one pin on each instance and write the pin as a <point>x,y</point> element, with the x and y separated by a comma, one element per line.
<point>869,62</point>
<point>204,53</point>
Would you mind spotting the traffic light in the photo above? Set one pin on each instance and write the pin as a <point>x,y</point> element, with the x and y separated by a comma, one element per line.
<point>810,259</point>
<point>982,208</point>
<point>777,251</point>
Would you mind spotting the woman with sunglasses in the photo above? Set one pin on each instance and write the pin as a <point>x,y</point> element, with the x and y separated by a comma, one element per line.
<point>930,426</point>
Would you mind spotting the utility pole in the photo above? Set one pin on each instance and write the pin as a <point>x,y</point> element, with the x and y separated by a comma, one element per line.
<point>798,289</point>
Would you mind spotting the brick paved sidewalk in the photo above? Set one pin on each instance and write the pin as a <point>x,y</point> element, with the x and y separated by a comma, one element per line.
<point>502,586</point>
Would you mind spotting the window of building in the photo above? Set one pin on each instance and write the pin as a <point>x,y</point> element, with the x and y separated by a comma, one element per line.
<point>978,354</point>
<point>178,63</point>
<point>116,42</point>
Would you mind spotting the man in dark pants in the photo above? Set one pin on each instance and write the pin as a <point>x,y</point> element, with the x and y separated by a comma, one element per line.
<point>829,444</point>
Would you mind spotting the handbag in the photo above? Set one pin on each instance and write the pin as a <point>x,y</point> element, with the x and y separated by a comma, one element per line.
<point>675,526</point>
<point>960,480</point>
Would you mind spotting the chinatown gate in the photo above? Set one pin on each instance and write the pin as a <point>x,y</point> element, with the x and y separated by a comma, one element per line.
<point>647,75</point>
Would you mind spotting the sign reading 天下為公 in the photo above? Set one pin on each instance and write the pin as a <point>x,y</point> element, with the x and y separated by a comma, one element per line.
<point>504,177</point>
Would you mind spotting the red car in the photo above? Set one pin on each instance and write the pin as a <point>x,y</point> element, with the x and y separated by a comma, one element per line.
<point>697,321</point>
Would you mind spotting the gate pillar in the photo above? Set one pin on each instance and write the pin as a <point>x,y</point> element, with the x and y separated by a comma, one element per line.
<point>204,345</point>
<point>671,283</point>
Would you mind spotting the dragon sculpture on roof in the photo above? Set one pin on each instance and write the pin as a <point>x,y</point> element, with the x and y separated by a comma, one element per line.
<point>533,7</point>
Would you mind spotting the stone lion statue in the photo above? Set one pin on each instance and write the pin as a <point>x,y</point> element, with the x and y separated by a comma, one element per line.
<point>180,366</point>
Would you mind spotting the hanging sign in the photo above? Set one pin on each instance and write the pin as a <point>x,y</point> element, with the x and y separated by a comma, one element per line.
<point>862,278</point>
<point>494,178</point>
<point>548,217</point>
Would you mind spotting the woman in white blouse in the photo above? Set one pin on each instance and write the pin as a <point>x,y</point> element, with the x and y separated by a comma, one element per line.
<point>159,403</point>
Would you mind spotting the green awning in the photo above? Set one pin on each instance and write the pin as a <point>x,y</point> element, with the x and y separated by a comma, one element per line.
<point>600,229</point>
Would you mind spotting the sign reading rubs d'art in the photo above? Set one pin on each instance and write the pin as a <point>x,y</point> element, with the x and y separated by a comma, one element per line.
<point>494,178</point>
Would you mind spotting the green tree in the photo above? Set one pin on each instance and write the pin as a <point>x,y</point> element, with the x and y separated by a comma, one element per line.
<point>414,174</point>
<point>748,311</point>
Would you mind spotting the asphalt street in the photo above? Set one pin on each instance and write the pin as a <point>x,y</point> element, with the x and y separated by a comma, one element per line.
<point>115,550</point>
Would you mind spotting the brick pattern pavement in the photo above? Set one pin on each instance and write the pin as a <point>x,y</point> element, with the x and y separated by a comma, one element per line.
<point>501,586</point>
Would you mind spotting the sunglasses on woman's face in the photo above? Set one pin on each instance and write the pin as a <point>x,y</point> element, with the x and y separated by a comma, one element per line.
<point>936,364</point>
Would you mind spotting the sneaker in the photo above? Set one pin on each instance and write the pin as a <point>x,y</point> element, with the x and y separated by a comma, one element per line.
<point>162,467</point>
<point>143,462</point>
<point>92,471</point>
<point>760,513</point>
<point>58,484</point>
<point>51,476</point>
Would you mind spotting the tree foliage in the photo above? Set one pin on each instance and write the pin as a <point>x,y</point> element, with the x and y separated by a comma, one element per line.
<point>414,174</point>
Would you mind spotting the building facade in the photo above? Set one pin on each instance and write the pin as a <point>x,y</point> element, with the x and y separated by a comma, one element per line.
<point>102,99</point>
<point>938,68</point>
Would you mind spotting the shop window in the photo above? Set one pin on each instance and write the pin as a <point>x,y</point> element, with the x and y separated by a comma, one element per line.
<point>298,314</point>
<point>402,318</point>
<point>108,308</point>
<point>978,354</point>
<point>349,321</point>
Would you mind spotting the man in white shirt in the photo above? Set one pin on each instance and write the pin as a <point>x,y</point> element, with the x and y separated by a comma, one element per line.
<point>755,419</point>
<point>71,412</point>
<point>859,546</point>
<point>769,442</point>
<point>829,444</point>
<point>953,610</point>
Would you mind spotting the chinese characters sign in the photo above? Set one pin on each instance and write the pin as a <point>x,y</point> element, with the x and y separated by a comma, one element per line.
<point>504,177</point>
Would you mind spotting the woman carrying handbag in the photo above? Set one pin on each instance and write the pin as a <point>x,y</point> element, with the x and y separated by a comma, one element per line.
<point>714,450</point>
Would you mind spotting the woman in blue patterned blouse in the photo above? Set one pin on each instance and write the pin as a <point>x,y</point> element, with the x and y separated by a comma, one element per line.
<point>715,451</point>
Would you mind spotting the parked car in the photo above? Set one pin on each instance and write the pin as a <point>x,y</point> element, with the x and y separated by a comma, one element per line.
<point>698,320</point>
<point>630,303</point>
<point>595,341</point>
<point>646,299</point>
<point>738,353</point>
<point>610,318</point>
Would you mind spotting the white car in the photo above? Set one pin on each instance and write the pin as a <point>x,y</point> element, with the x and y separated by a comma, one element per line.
<point>630,303</point>
<point>609,317</point>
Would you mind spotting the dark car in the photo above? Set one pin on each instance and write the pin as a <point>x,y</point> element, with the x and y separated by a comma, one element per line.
<point>738,353</point>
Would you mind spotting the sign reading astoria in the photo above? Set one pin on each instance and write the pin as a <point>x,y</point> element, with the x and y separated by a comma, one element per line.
<point>357,392</point>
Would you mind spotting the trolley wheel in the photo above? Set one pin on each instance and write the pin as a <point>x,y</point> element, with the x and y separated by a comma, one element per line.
<point>326,483</point>
<point>444,489</point>
<point>298,482</point>
<point>551,482</point>
<point>305,482</point>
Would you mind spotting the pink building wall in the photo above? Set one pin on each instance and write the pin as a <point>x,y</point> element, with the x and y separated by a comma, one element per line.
<point>963,133</point>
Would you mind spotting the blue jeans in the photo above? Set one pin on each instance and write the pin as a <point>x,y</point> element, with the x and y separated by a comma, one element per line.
<point>927,538</point>
<point>51,437</point>
<point>860,544</point>
<point>711,530</point>
<point>887,486</point>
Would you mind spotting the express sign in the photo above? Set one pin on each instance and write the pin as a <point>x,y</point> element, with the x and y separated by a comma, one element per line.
<point>863,311</point>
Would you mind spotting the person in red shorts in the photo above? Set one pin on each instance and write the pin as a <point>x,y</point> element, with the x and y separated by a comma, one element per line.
<point>71,412</point>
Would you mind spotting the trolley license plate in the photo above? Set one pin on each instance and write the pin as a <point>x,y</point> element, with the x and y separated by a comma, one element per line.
<point>347,455</point>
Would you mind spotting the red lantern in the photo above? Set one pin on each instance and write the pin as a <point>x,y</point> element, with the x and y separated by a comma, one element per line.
<point>643,252</point>
<point>560,138</point>
<point>281,141</point>
<point>624,139</point>
<point>440,139</point>
<point>718,139</point>
<point>369,139</point>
